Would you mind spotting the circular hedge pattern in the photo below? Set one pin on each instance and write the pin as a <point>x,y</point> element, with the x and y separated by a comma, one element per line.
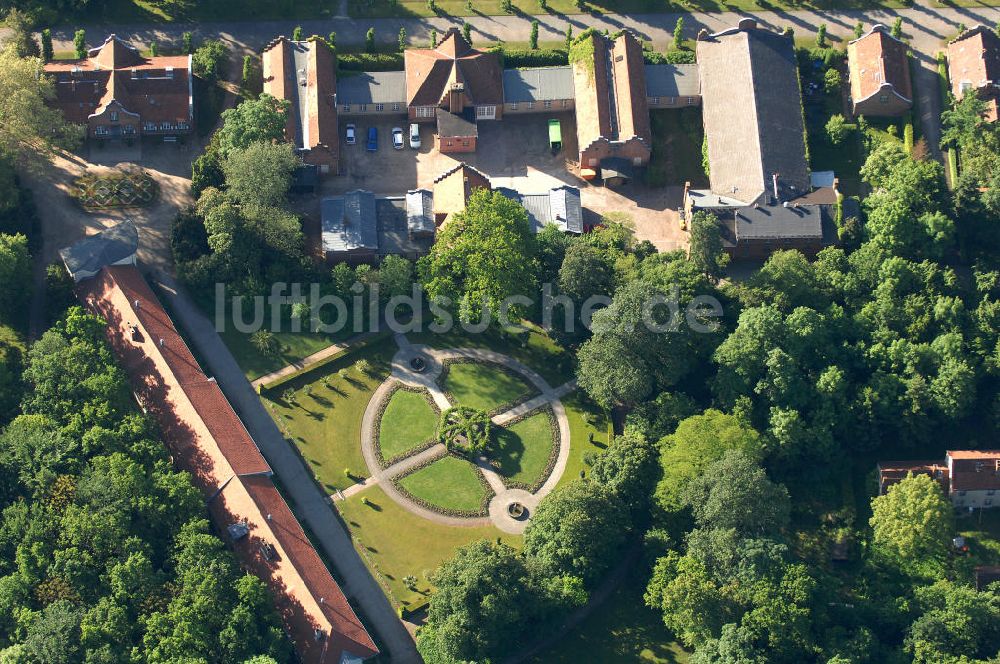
<point>464,429</point>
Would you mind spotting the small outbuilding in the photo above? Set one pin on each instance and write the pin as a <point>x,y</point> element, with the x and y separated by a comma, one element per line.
<point>114,246</point>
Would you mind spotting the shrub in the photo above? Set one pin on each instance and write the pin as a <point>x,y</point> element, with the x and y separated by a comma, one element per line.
<point>821,35</point>
<point>297,33</point>
<point>80,44</point>
<point>674,57</point>
<point>838,129</point>
<point>464,422</point>
<point>370,61</point>
<point>402,39</point>
<point>46,44</point>
<point>831,80</point>
<point>533,39</point>
<point>507,6</point>
<point>154,49</point>
<point>187,43</point>
<point>209,60</point>
<point>467,32</point>
<point>370,40</point>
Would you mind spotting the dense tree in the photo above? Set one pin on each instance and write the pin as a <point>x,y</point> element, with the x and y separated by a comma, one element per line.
<point>912,525</point>
<point>482,257</point>
<point>577,531</point>
<point>261,173</point>
<point>584,272</point>
<point>19,35</point>
<point>699,441</point>
<point>210,60</point>
<point>15,275</point>
<point>12,351</point>
<point>28,125</point>
<point>483,601</point>
<point>260,120</point>
<point>956,624</point>
<point>629,469</point>
<point>706,243</point>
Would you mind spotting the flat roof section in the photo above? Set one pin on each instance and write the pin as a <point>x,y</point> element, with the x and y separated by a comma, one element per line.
<point>537,84</point>
<point>372,87</point>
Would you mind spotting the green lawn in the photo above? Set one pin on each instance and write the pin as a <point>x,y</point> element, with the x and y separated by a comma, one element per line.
<point>408,421</point>
<point>523,449</point>
<point>325,423</point>
<point>399,544</point>
<point>450,482</point>
<point>535,349</point>
<point>585,419</point>
<point>982,533</point>
<point>677,140</point>
<point>621,630</point>
<point>483,386</point>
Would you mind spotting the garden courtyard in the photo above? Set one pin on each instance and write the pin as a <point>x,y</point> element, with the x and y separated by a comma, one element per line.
<point>421,457</point>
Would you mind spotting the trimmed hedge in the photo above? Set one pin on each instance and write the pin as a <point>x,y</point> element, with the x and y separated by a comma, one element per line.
<point>520,58</point>
<point>370,61</point>
<point>474,424</point>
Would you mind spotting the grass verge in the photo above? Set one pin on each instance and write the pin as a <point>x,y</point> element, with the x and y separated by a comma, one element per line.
<point>588,431</point>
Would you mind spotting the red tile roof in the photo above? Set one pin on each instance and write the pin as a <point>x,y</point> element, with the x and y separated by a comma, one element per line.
<point>879,61</point>
<point>891,472</point>
<point>974,470</point>
<point>430,73</point>
<point>207,439</point>
<point>157,89</point>
<point>974,63</point>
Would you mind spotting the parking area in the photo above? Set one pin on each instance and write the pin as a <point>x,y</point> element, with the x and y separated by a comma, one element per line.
<point>514,152</point>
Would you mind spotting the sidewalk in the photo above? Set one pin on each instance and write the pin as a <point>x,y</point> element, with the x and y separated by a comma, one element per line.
<point>309,360</point>
<point>309,504</point>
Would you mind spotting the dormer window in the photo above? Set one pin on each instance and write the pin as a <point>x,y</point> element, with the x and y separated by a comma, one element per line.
<point>113,116</point>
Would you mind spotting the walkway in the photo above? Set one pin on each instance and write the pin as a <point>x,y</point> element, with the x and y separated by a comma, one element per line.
<point>427,378</point>
<point>309,504</point>
<point>332,349</point>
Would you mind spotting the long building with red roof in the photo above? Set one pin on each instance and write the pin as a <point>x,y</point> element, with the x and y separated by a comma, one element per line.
<point>207,439</point>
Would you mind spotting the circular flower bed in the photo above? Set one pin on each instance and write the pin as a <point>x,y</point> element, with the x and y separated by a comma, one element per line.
<point>464,429</point>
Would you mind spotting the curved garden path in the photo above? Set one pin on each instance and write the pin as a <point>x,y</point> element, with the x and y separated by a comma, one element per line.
<point>434,359</point>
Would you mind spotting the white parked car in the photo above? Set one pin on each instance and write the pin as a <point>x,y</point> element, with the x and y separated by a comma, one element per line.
<point>397,138</point>
<point>415,136</point>
<point>351,137</point>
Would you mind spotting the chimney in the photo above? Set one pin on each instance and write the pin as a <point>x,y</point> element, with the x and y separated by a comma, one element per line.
<point>746,24</point>
<point>774,179</point>
<point>456,98</point>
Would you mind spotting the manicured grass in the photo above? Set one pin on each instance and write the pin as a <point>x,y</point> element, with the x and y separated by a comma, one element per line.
<point>535,349</point>
<point>588,432</point>
<point>621,630</point>
<point>325,422</point>
<point>677,140</point>
<point>450,482</point>
<point>293,347</point>
<point>523,449</point>
<point>398,544</point>
<point>483,386</point>
<point>408,421</point>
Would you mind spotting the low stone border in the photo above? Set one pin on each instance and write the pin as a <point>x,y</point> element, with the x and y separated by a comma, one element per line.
<point>502,408</point>
<point>553,450</point>
<point>377,429</point>
<point>484,507</point>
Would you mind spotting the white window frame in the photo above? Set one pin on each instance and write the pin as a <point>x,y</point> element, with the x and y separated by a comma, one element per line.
<point>113,115</point>
<point>379,108</point>
<point>395,106</point>
<point>362,108</point>
<point>346,108</point>
<point>654,101</point>
<point>547,103</point>
<point>486,112</point>
<point>531,105</point>
<point>425,112</point>
<point>513,105</point>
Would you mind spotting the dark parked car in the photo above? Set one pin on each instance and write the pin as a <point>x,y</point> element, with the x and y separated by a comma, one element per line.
<point>372,139</point>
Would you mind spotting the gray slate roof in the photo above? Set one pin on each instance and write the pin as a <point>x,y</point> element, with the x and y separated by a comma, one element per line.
<point>672,81</point>
<point>538,84</point>
<point>560,206</point>
<point>109,247</point>
<point>393,229</point>
<point>775,221</point>
<point>349,222</point>
<point>420,211</point>
<point>751,106</point>
<point>372,87</point>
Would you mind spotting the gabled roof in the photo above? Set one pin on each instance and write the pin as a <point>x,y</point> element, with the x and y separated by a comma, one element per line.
<point>752,112</point>
<point>778,222</point>
<point>109,247</point>
<point>430,72</point>
<point>610,90</point>
<point>892,472</point>
<point>349,222</point>
<point>974,470</point>
<point>156,89</point>
<point>207,439</point>
<point>304,73</point>
<point>879,64</point>
<point>974,62</point>
<point>453,188</point>
<point>420,211</point>
<point>537,84</point>
<point>560,206</point>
